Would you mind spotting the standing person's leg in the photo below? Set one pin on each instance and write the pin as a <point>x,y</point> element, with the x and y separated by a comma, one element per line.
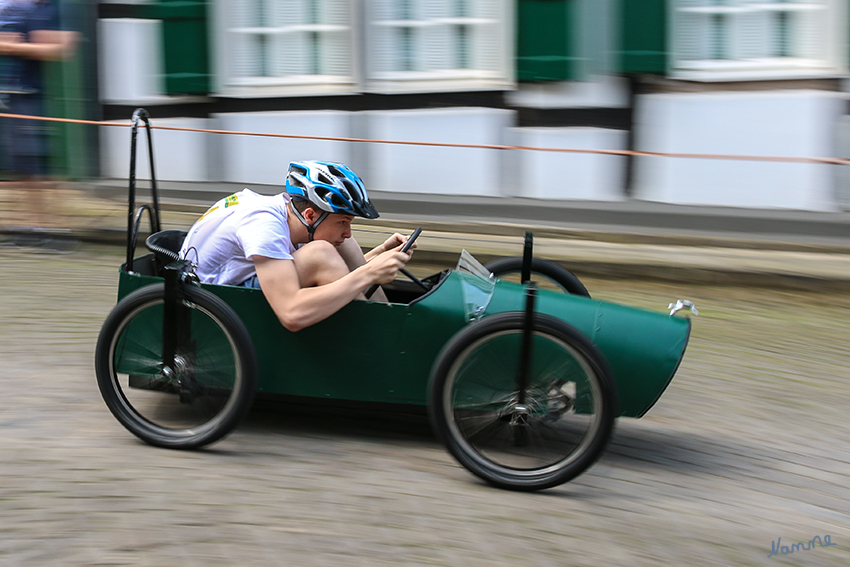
<point>26,151</point>
<point>14,206</point>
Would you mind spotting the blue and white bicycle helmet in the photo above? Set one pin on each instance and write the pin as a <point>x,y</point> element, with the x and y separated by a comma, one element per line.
<point>332,187</point>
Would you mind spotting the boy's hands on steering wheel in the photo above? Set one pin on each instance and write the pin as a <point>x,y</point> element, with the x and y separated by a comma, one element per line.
<point>393,242</point>
<point>397,240</point>
<point>385,266</point>
<point>402,253</point>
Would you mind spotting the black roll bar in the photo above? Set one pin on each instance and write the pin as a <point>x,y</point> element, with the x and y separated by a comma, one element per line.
<point>134,216</point>
<point>527,256</point>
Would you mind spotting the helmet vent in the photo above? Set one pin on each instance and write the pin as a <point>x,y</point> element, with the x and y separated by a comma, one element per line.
<point>350,189</point>
<point>338,201</point>
<point>295,181</point>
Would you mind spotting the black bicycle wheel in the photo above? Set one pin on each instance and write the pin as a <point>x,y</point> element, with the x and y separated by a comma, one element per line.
<point>559,428</point>
<point>554,276</point>
<point>205,395</point>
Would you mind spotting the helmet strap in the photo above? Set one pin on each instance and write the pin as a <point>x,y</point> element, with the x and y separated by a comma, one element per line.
<point>311,228</point>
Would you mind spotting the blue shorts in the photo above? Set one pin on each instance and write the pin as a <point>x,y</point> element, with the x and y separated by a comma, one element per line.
<point>251,282</point>
<point>24,142</point>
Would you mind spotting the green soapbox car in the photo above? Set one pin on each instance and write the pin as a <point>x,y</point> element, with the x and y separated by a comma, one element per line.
<point>521,384</point>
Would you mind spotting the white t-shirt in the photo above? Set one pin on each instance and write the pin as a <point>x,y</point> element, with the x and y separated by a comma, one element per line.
<point>233,230</point>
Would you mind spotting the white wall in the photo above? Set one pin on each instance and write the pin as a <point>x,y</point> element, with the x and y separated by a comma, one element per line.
<point>776,123</point>
<point>596,92</point>
<point>130,60</point>
<point>437,170</point>
<point>178,156</point>
<point>842,172</point>
<point>254,159</point>
<point>567,175</point>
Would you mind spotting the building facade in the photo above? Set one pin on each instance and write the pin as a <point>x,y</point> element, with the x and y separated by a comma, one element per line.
<point>740,77</point>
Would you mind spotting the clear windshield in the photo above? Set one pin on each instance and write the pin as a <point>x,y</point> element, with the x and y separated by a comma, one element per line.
<point>477,284</point>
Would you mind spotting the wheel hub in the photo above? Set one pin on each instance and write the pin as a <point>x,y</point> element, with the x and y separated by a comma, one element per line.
<point>519,415</point>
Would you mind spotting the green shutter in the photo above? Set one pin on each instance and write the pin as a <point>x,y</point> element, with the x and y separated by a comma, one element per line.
<point>68,93</point>
<point>644,36</point>
<point>185,45</point>
<point>544,45</point>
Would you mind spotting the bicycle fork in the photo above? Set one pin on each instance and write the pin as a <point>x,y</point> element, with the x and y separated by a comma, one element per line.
<point>178,347</point>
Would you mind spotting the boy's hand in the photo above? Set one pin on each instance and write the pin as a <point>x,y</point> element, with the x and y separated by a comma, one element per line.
<point>395,241</point>
<point>385,266</point>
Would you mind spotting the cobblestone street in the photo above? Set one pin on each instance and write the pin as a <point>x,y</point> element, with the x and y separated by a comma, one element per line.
<point>748,445</point>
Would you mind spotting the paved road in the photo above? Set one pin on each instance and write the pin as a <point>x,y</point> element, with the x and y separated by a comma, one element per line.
<point>748,445</point>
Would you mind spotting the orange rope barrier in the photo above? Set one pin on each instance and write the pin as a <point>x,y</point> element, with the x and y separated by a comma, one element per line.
<point>786,159</point>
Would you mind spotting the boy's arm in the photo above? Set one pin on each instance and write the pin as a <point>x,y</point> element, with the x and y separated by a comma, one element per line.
<point>298,307</point>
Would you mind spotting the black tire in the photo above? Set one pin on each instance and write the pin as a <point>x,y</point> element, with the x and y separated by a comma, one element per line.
<point>198,405</point>
<point>569,408</point>
<point>560,277</point>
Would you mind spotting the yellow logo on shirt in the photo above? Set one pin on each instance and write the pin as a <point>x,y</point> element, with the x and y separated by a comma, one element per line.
<point>228,202</point>
<point>203,216</point>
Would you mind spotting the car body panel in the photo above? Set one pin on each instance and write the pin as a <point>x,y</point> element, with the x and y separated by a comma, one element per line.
<point>379,352</point>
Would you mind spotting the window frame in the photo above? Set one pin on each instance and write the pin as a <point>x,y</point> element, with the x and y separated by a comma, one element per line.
<point>363,77</point>
<point>771,68</point>
<point>227,85</point>
<point>455,79</point>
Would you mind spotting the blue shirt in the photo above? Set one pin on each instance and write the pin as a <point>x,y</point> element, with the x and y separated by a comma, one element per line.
<point>25,16</point>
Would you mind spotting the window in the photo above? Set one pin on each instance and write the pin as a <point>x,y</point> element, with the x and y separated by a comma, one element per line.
<point>753,39</point>
<point>312,46</point>
<point>428,42</point>
<point>274,44</point>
